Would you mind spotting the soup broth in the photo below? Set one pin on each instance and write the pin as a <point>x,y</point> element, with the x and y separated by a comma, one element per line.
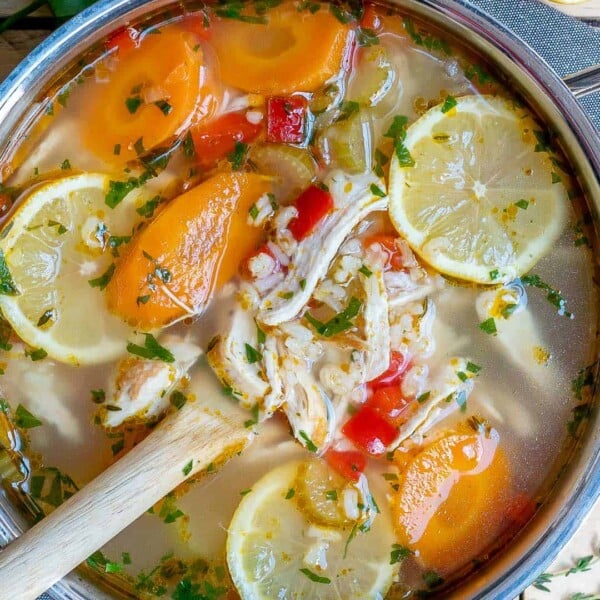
<point>333,224</point>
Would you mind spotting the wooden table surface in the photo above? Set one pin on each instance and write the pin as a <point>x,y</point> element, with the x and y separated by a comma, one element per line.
<point>582,585</point>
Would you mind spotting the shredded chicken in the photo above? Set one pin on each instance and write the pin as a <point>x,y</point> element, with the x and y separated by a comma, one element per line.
<point>139,390</point>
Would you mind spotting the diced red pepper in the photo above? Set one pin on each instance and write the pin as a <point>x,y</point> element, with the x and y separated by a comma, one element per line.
<point>390,403</point>
<point>368,430</point>
<point>388,245</point>
<point>313,205</point>
<point>348,463</point>
<point>286,119</point>
<point>124,40</point>
<point>5,204</point>
<point>215,140</point>
<point>371,19</point>
<point>393,374</point>
<point>245,270</point>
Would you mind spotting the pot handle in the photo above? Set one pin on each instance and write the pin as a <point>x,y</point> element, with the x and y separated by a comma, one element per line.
<point>584,82</point>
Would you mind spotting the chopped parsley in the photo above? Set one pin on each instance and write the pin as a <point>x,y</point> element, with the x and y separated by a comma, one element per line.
<point>138,146</point>
<point>331,495</point>
<point>377,191</point>
<point>244,492</point>
<point>366,37</point>
<point>489,326</point>
<point>117,447</point>
<point>253,212</point>
<point>310,446</point>
<point>254,411</point>
<point>397,132</point>
<point>99,562</point>
<point>188,145</point>
<point>104,279</point>
<point>142,299</point>
<point>24,419</point>
<point>178,399</point>
<point>423,397</point>
<point>290,494</point>
<point>347,108</point>
<point>472,367</point>
<point>237,158</point>
<point>553,296</point>
<point>187,469</point>
<point>421,38</point>
<point>147,209</point>
<point>61,229</point>
<point>341,322</point>
<point>461,400</point>
<point>522,204</point>
<point>47,317</point>
<point>98,396</point>
<point>164,107</point>
<point>399,553</point>
<point>449,104</point>
<point>556,178</point>
<point>133,103</point>
<point>381,159</point>
<point>252,354</point>
<point>432,579</point>
<point>117,149</point>
<point>543,141</point>
<point>65,165</point>
<point>7,285</point>
<point>302,283</point>
<point>151,350</point>
<point>494,274</point>
<point>313,576</point>
<point>117,190</point>
<point>36,354</point>
<point>365,271</point>
<point>261,336</point>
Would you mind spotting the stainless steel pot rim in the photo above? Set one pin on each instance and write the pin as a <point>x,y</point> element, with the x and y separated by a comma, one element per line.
<point>102,14</point>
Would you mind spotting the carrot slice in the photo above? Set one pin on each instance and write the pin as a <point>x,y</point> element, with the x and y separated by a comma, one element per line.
<point>295,51</point>
<point>154,90</point>
<point>192,247</point>
<point>451,500</point>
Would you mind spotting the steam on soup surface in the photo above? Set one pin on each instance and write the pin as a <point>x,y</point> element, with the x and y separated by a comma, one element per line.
<point>352,224</point>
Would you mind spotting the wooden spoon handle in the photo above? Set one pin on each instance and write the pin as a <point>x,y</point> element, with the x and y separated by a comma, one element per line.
<point>106,505</point>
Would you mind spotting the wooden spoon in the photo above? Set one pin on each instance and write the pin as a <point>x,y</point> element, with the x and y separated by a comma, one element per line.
<point>105,506</point>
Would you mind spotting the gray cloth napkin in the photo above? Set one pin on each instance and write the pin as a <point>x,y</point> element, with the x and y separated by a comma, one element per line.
<point>566,44</point>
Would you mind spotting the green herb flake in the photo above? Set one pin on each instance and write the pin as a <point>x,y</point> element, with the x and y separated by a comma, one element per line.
<point>432,579</point>
<point>147,209</point>
<point>365,271</point>
<point>310,446</point>
<point>187,469</point>
<point>47,317</point>
<point>397,132</point>
<point>117,190</point>
<point>341,322</point>
<point>177,399</point>
<point>390,476</point>
<point>461,400</point>
<point>366,37</point>
<point>36,354</point>
<point>7,285</point>
<point>556,178</point>
<point>489,326</point>
<point>117,149</point>
<point>133,103</point>
<point>65,165</point>
<point>138,146</point>
<point>286,295</point>
<point>552,295</point>
<point>494,274</point>
<point>142,299</point>
<point>164,107</point>
<point>245,492</point>
<point>252,354</point>
<point>462,376</point>
<point>522,204</point>
<point>331,495</point>
<point>449,104</point>
<point>313,576</point>
<point>254,411</point>
<point>237,158</point>
<point>290,494</point>
<point>421,38</point>
<point>98,396</point>
<point>423,397</point>
<point>189,149</point>
<point>377,191</point>
<point>472,367</point>
<point>151,350</point>
<point>253,212</point>
<point>117,447</point>
<point>399,553</point>
<point>25,420</point>
<point>104,279</point>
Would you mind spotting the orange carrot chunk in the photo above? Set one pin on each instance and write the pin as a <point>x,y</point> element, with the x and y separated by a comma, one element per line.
<point>154,90</point>
<point>190,249</point>
<point>295,50</point>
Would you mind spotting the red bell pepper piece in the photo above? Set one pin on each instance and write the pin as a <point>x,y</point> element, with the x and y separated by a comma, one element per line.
<point>313,205</point>
<point>390,403</point>
<point>371,19</point>
<point>286,119</point>
<point>217,139</point>
<point>368,430</point>
<point>393,374</point>
<point>123,40</point>
<point>388,245</point>
<point>348,463</point>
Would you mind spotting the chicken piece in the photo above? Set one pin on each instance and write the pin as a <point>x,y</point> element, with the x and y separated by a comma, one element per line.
<point>139,390</point>
<point>448,393</point>
<point>353,200</point>
<point>236,361</point>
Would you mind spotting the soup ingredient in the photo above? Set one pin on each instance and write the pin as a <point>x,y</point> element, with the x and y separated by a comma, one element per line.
<point>139,389</point>
<point>294,51</point>
<point>214,140</point>
<point>273,546</point>
<point>481,201</point>
<point>450,503</point>
<point>293,169</point>
<point>154,90</point>
<point>192,247</point>
<point>287,119</point>
<point>55,260</point>
<point>312,206</point>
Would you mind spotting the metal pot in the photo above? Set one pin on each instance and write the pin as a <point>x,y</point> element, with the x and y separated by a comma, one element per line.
<point>555,99</point>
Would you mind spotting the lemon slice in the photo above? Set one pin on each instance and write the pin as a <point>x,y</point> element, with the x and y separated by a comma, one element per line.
<point>55,243</point>
<point>480,203</point>
<point>274,551</point>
